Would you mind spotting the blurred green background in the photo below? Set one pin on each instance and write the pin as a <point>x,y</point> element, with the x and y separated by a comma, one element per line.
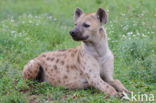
<point>30,27</point>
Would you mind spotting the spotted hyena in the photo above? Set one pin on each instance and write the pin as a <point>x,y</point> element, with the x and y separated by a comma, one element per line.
<point>88,65</point>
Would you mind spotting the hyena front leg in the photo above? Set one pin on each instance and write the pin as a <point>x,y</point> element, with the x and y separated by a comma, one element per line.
<point>92,72</point>
<point>107,75</point>
<point>31,69</point>
<point>118,86</point>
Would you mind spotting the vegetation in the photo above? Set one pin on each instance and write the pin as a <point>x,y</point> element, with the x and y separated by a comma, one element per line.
<point>30,27</point>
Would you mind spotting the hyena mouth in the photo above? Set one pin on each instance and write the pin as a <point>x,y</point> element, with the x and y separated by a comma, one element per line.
<point>80,38</point>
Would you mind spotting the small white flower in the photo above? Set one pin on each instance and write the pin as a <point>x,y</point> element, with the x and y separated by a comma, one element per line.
<point>143,23</point>
<point>12,20</point>
<point>109,38</point>
<point>30,16</point>
<point>122,14</point>
<point>152,32</point>
<point>107,10</point>
<point>30,21</point>
<point>123,36</point>
<point>13,31</point>
<point>129,33</point>
<point>134,24</point>
<point>23,22</point>
<point>143,35</point>
<point>50,17</point>
<point>55,19</point>
<point>36,16</point>
<point>37,24</point>
<point>138,33</point>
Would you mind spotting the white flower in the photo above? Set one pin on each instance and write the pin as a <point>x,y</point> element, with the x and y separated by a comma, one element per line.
<point>12,20</point>
<point>36,16</point>
<point>50,17</point>
<point>122,14</point>
<point>143,23</point>
<point>30,16</point>
<point>55,19</point>
<point>138,33</point>
<point>134,24</point>
<point>109,38</point>
<point>143,35</point>
<point>20,34</point>
<point>23,22</point>
<point>30,21</point>
<point>13,31</point>
<point>129,33</point>
<point>123,36</point>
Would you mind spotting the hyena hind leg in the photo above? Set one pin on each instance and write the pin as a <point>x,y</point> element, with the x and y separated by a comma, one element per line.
<point>31,70</point>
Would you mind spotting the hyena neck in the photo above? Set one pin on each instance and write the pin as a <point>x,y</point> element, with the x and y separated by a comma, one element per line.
<point>96,49</point>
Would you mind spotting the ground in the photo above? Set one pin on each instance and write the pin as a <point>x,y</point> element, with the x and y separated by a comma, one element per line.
<point>30,27</point>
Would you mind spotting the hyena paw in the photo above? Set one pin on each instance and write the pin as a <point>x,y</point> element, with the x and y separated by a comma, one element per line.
<point>112,91</point>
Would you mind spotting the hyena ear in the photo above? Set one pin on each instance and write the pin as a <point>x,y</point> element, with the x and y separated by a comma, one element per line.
<point>78,13</point>
<point>102,16</point>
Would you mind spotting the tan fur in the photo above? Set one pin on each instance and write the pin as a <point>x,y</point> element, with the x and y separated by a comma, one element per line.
<point>88,65</point>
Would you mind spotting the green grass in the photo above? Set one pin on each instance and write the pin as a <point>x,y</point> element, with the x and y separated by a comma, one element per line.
<point>30,27</point>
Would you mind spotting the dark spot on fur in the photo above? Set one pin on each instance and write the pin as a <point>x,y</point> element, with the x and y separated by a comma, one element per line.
<point>55,67</point>
<point>65,77</point>
<point>81,73</point>
<point>57,60</point>
<point>67,66</point>
<point>68,70</point>
<point>78,59</point>
<point>75,51</point>
<point>36,71</point>
<point>44,55</point>
<point>70,50</point>
<point>72,54</point>
<point>73,67</point>
<point>83,67</point>
<point>52,70</point>
<point>107,86</point>
<point>62,62</point>
<point>45,69</point>
<point>75,77</point>
<point>48,58</point>
<point>59,81</point>
<point>52,59</point>
<point>90,70</point>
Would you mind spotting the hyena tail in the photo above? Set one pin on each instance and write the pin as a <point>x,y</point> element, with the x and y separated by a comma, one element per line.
<point>33,70</point>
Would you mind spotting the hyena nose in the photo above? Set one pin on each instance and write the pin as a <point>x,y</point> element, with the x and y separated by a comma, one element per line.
<point>72,33</point>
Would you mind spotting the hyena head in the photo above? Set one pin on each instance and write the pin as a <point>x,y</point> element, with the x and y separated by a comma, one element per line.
<point>88,26</point>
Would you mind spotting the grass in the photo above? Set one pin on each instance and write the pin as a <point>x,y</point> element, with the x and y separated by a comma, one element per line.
<point>30,27</point>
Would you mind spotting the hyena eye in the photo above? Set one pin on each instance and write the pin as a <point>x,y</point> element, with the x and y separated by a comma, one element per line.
<point>86,25</point>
